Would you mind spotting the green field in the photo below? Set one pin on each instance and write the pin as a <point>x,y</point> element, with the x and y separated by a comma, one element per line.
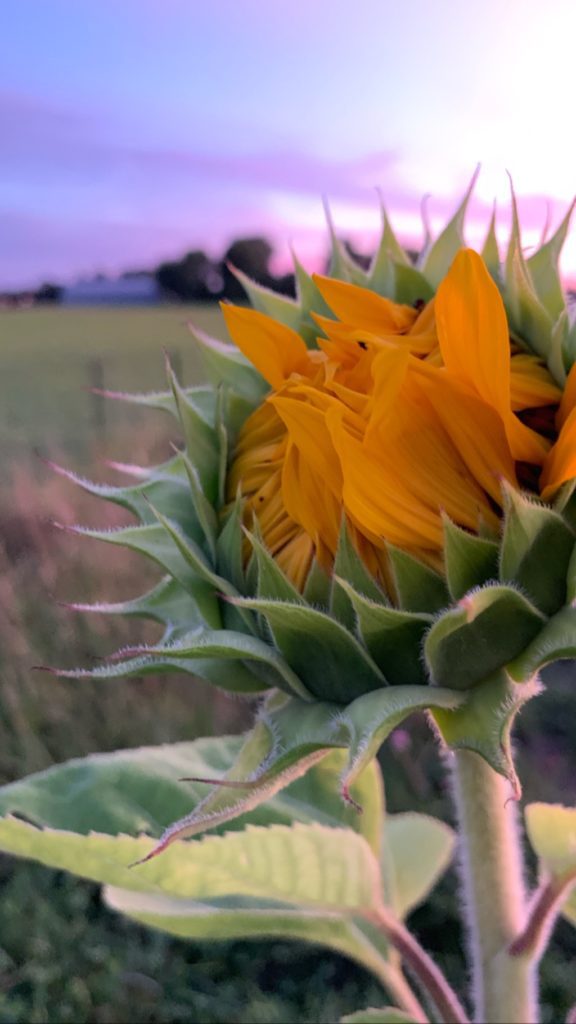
<point>49,357</point>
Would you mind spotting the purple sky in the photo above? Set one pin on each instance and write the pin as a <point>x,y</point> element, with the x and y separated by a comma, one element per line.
<point>132,130</point>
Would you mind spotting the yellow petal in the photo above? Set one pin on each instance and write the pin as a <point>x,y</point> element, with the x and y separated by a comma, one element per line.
<point>531,385</point>
<point>560,464</point>
<point>364,309</point>
<point>274,349</point>
<point>568,402</point>
<point>474,341</point>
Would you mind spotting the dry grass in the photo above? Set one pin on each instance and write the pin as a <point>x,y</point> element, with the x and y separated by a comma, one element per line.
<point>44,719</point>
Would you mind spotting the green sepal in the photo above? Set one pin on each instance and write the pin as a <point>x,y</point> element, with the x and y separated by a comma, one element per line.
<point>554,642</point>
<point>225,364</point>
<point>228,645</point>
<point>324,655</point>
<point>165,485</point>
<point>410,285</point>
<point>557,362</point>
<point>342,266</point>
<point>489,628</point>
<point>158,544</point>
<point>535,550</point>
<point>279,307</point>
<point>438,259</point>
<point>205,512</point>
<point>569,343</point>
<point>483,723</point>
<point>370,719</point>
<point>349,566</point>
<point>470,561</point>
<point>490,252</point>
<point>167,603</point>
<point>317,587</point>
<point>311,301</point>
<point>419,588</point>
<point>233,677</point>
<point>528,317</point>
<point>392,637</point>
<point>272,581</point>
<point>382,272</point>
<point>543,267</point>
<point>229,557</point>
<point>199,435</point>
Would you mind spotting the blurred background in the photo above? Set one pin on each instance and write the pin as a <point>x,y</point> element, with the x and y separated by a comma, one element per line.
<point>144,147</point>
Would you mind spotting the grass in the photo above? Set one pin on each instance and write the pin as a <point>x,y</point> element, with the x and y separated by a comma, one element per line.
<point>49,357</point>
<point>73,960</point>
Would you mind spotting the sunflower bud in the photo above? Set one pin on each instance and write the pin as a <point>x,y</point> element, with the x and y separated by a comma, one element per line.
<point>372,512</point>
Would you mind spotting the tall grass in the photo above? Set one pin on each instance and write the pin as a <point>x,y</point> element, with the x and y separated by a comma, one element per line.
<point>45,719</point>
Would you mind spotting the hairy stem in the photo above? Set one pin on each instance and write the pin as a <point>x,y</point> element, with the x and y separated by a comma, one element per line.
<point>504,986</point>
<point>423,968</point>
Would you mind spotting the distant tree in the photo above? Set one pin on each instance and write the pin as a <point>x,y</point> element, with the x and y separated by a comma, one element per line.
<point>252,257</point>
<point>48,292</point>
<point>194,278</point>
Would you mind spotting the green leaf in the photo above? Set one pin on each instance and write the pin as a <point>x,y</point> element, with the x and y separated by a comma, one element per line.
<point>244,919</point>
<point>490,627</point>
<point>438,260</point>
<point>419,850</point>
<point>142,790</point>
<point>325,656</point>
<point>393,638</point>
<point>483,722</point>
<point>386,1015</point>
<point>535,550</point>
<point>543,267</point>
<point>552,832</point>
<point>263,863</point>
<point>419,588</point>
<point>348,566</point>
<point>470,561</point>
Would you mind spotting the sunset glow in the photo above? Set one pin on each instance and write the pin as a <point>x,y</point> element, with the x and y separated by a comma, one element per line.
<point>134,131</point>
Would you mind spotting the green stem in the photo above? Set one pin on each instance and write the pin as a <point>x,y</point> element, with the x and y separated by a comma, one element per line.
<point>505,987</point>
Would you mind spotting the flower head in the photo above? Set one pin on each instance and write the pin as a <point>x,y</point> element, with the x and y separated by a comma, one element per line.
<point>399,416</point>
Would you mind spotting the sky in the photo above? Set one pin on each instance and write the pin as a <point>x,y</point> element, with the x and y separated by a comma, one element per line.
<point>134,130</point>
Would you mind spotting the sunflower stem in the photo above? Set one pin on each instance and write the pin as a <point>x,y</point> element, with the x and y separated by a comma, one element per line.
<point>492,872</point>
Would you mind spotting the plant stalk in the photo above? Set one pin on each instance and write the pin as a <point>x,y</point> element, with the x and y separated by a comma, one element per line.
<point>504,986</point>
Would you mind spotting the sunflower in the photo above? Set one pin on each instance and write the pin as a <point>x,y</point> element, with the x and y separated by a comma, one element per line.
<point>401,415</point>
